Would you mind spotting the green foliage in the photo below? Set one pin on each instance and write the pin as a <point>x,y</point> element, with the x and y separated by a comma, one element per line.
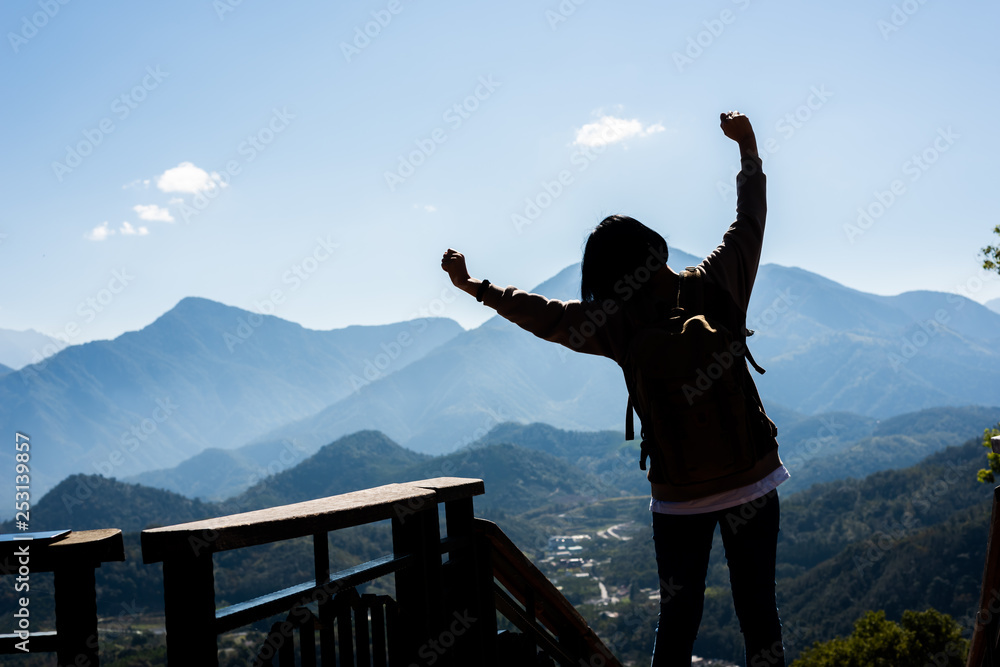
<point>894,540</point>
<point>921,638</point>
<point>993,459</point>
<point>991,254</point>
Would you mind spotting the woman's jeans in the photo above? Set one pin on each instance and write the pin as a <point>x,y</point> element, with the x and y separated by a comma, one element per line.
<point>683,543</point>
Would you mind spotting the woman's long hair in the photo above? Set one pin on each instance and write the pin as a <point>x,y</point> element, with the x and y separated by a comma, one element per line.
<point>619,258</point>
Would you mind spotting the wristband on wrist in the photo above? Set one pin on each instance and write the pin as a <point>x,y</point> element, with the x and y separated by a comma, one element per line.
<point>483,286</point>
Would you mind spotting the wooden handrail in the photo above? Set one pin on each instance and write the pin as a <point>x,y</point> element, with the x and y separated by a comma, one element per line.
<point>79,547</point>
<point>302,519</point>
<point>72,559</point>
<point>545,613</point>
<point>186,550</point>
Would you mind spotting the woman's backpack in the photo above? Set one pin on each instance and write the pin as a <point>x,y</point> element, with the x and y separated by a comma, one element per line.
<point>687,379</point>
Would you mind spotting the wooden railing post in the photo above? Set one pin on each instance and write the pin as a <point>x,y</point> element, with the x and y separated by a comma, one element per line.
<point>470,593</point>
<point>76,615</point>
<point>72,559</point>
<point>415,532</point>
<point>189,606</point>
<point>327,640</point>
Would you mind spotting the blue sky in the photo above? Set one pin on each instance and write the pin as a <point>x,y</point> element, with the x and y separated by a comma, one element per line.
<point>276,157</point>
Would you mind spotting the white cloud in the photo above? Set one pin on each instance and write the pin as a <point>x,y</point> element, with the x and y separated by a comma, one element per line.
<point>128,230</point>
<point>99,233</point>
<point>430,208</point>
<point>153,212</point>
<point>188,178</point>
<point>137,183</point>
<point>176,200</point>
<point>609,130</point>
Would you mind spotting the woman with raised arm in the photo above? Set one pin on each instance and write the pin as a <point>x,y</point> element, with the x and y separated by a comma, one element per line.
<point>725,470</point>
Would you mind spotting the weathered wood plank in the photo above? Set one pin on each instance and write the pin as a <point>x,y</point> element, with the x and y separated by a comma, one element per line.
<point>282,523</point>
<point>453,488</point>
<point>306,518</point>
<point>91,547</point>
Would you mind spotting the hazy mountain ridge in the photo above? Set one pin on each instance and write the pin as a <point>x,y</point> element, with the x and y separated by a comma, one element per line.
<point>826,347</point>
<point>205,375</point>
<point>155,397</point>
<point>20,348</point>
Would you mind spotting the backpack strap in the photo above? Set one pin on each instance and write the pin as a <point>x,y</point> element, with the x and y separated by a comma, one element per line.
<point>644,446</point>
<point>753,363</point>
<point>695,298</point>
<point>691,287</point>
<point>629,421</point>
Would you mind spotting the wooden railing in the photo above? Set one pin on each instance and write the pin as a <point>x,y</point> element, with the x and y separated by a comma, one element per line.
<point>444,611</point>
<point>531,602</point>
<point>72,559</point>
<point>985,647</point>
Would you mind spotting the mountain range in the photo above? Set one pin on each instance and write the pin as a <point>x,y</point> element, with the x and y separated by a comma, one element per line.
<point>202,375</point>
<point>827,348</point>
<point>210,386</point>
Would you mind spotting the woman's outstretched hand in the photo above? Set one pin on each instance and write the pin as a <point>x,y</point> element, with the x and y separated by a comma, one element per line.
<point>737,127</point>
<point>453,263</point>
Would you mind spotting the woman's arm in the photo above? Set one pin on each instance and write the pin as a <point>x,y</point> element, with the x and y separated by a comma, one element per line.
<point>733,264</point>
<point>581,327</point>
